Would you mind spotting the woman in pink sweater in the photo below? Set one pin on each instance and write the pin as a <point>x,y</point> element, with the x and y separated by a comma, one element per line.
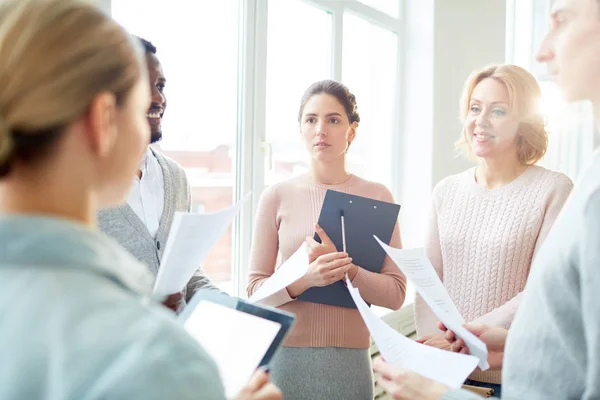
<point>326,355</point>
<point>488,222</point>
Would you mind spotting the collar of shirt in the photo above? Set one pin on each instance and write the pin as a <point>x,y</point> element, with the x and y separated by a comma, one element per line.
<point>143,165</point>
<point>146,197</point>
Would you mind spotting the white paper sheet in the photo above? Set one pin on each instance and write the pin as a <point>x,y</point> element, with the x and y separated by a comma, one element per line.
<point>235,340</point>
<point>289,272</point>
<point>417,268</point>
<point>446,367</point>
<point>191,238</point>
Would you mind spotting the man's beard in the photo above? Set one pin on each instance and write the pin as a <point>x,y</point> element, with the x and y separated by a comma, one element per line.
<point>155,137</point>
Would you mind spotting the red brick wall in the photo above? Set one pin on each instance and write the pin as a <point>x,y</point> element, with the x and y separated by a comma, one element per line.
<point>217,265</point>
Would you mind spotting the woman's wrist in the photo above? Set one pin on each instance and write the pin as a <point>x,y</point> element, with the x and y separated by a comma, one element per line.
<point>435,391</point>
<point>297,288</point>
<point>352,272</point>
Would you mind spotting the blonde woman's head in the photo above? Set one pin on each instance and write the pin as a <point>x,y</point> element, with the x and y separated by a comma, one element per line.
<point>74,87</point>
<point>501,115</point>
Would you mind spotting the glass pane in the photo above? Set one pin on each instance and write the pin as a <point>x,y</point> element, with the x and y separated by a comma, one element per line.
<point>199,125</point>
<point>296,58</point>
<point>570,132</point>
<point>390,7</point>
<point>370,72</point>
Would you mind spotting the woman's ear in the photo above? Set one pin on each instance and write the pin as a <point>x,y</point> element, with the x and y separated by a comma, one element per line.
<point>351,134</point>
<point>102,123</point>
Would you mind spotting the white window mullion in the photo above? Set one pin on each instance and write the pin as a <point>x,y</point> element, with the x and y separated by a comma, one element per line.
<point>398,139</point>
<point>364,11</point>
<point>248,143</point>
<point>260,144</point>
<point>337,42</point>
<point>372,15</point>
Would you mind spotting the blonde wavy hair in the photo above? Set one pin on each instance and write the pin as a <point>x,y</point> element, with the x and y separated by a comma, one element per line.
<point>525,97</point>
<point>57,55</point>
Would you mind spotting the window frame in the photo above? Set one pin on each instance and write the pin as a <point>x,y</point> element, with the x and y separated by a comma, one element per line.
<point>256,23</point>
<point>578,144</point>
<point>251,148</point>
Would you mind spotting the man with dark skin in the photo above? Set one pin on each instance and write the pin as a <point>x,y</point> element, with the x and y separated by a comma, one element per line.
<point>159,190</point>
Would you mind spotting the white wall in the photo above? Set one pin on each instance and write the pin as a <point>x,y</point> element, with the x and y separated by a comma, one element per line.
<point>468,35</point>
<point>444,41</point>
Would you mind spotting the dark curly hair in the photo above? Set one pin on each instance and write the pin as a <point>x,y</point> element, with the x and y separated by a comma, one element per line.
<point>148,46</point>
<point>337,90</point>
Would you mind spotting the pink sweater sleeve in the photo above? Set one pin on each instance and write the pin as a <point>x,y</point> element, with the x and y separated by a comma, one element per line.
<point>388,288</point>
<point>557,196</point>
<point>425,319</point>
<point>265,248</point>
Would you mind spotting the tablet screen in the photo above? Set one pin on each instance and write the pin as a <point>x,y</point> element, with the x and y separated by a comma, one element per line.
<point>238,336</point>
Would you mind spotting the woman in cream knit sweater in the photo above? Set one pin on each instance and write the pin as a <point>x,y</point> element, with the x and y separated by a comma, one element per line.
<point>488,222</point>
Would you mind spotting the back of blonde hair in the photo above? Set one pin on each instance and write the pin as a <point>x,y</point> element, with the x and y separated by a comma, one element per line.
<point>57,55</point>
<point>525,98</point>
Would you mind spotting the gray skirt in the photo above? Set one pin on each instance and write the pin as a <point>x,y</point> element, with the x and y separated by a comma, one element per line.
<point>323,373</point>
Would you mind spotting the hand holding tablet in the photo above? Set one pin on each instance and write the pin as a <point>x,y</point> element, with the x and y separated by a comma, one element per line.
<point>238,335</point>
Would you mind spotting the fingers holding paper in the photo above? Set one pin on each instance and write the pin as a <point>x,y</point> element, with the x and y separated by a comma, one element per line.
<point>325,270</point>
<point>328,269</point>
<point>316,249</point>
<point>494,337</point>
<point>173,301</point>
<point>403,384</point>
<point>438,341</point>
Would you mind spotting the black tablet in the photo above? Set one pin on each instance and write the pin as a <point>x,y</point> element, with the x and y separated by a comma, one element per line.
<point>238,335</point>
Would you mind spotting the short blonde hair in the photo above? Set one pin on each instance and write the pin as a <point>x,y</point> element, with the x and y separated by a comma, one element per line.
<point>56,57</point>
<point>525,98</point>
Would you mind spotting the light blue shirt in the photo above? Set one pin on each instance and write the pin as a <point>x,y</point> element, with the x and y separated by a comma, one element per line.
<point>77,322</point>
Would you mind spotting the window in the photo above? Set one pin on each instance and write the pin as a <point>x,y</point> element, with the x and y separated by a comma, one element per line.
<point>570,126</point>
<point>371,74</point>
<point>570,132</point>
<point>390,7</point>
<point>236,72</point>
<point>296,58</point>
<point>200,121</point>
<point>338,45</point>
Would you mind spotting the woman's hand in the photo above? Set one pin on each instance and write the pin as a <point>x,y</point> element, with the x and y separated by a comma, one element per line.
<point>438,340</point>
<point>259,388</point>
<point>403,384</point>
<point>493,336</point>
<point>325,270</point>
<point>316,249</point>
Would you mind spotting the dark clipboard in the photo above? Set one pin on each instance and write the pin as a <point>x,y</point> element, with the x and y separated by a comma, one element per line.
<point>283,318</point>
<point>363,218</point>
